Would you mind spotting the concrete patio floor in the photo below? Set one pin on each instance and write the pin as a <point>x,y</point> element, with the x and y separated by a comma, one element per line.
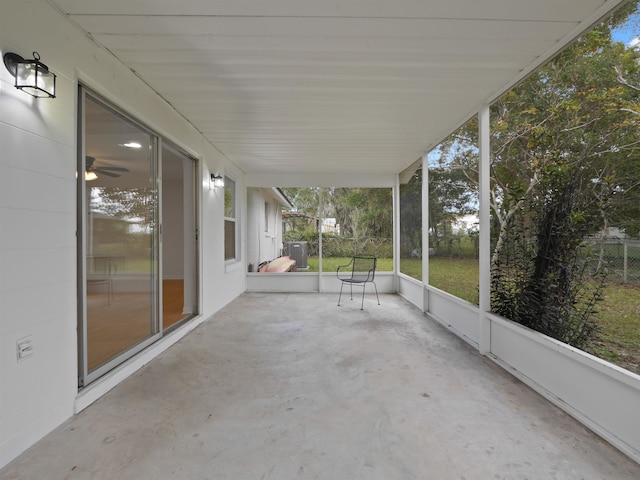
<point>290,386</point>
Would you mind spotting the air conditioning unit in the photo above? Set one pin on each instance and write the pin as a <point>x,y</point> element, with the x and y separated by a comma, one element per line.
<point>298,251</point>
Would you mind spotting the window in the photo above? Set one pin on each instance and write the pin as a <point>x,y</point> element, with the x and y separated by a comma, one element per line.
<point>229,219</point>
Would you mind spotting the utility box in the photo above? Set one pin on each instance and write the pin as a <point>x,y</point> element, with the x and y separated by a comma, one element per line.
<point>299,252</point>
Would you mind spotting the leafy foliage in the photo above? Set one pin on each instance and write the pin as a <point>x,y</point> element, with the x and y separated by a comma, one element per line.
<point>565,164</point>
<point>411,217</point>
<point>364,215</point>
<point>361,212</point>
<point>545,284</point>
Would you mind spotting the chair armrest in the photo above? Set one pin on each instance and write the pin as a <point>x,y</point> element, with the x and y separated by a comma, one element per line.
<point>370,275</point>
<point>341,267</point>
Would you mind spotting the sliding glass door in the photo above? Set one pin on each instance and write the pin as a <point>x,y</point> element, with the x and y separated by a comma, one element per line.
<point>179,238</point>
<point>118,238</point>
<point>137,237</point>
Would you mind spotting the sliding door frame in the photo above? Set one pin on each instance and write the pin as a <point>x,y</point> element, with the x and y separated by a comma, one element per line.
<point>194,214</point>
<point>86,376</point>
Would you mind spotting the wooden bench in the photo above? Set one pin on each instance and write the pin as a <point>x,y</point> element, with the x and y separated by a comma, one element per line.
<point>280,264</point>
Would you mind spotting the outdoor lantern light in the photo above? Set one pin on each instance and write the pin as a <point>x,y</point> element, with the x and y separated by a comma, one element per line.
<point>217,180</point>
<point>32,76</point>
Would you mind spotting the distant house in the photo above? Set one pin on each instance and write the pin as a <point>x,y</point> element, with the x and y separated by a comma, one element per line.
<point>614,232</point>
<point>330,225</point>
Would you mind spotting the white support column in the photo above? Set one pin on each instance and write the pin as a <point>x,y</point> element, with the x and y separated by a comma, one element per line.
<point>321,220</point>
<point>396,234</point>
<point>425,232</point>
<point>485,239</point>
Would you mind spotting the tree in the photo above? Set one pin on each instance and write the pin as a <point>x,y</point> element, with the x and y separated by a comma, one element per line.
<point>411,216</point>
<point>135,205</point>
<point>564,164</point>
<point>451,196</point>
<point>304,200</point>
<point>453,182</point>
<point>363,212</point>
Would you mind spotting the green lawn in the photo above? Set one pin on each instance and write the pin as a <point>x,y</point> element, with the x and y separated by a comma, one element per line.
<point>331,264</point>
<point>619,317</point>
<point>618,314</point>
<point>457,276</point>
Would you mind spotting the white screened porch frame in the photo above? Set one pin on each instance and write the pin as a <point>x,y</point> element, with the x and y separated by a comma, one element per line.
<point>602,396</point>
<point>324,281</point>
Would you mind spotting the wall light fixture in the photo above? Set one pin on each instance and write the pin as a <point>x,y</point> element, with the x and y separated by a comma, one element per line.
<point>32,76</point>
<point>217,180</point>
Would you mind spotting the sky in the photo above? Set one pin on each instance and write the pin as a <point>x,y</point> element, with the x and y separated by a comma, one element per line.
<point>629,32</point>
<point>628,37</point>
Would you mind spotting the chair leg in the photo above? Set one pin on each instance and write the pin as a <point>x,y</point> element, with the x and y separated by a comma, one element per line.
<point>341,285</point>
<point>363,288</point>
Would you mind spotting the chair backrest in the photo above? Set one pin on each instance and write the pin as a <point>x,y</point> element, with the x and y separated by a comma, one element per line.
<point>364,268</point>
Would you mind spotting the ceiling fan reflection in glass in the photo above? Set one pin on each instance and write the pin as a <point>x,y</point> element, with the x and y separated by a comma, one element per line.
<point>93,170</point>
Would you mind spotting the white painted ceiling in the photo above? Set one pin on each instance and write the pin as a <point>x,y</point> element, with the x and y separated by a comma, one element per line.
<point>340,86</point>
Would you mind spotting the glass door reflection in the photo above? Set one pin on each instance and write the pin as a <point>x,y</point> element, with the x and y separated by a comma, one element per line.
<point>121,262</point>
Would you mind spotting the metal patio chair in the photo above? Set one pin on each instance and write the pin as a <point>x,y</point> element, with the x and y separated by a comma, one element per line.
<point>359,271</point>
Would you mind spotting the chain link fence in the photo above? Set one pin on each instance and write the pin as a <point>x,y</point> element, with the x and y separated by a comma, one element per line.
<point>338,246</point>
<point>619,257</point>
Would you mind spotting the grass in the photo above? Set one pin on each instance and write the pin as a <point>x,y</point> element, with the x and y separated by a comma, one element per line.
<point>411,267</point>
<point>331,264</point>
<point>618,340</point>
<point>619,318</point>
<point>457,276</point>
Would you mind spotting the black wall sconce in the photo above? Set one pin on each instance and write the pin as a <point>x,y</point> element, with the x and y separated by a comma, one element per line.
<point>217,180</point>
<point>32,76</point>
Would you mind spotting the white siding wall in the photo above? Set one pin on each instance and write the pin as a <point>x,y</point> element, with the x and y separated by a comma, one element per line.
<point>38,218</point>
<point>262,245</point>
